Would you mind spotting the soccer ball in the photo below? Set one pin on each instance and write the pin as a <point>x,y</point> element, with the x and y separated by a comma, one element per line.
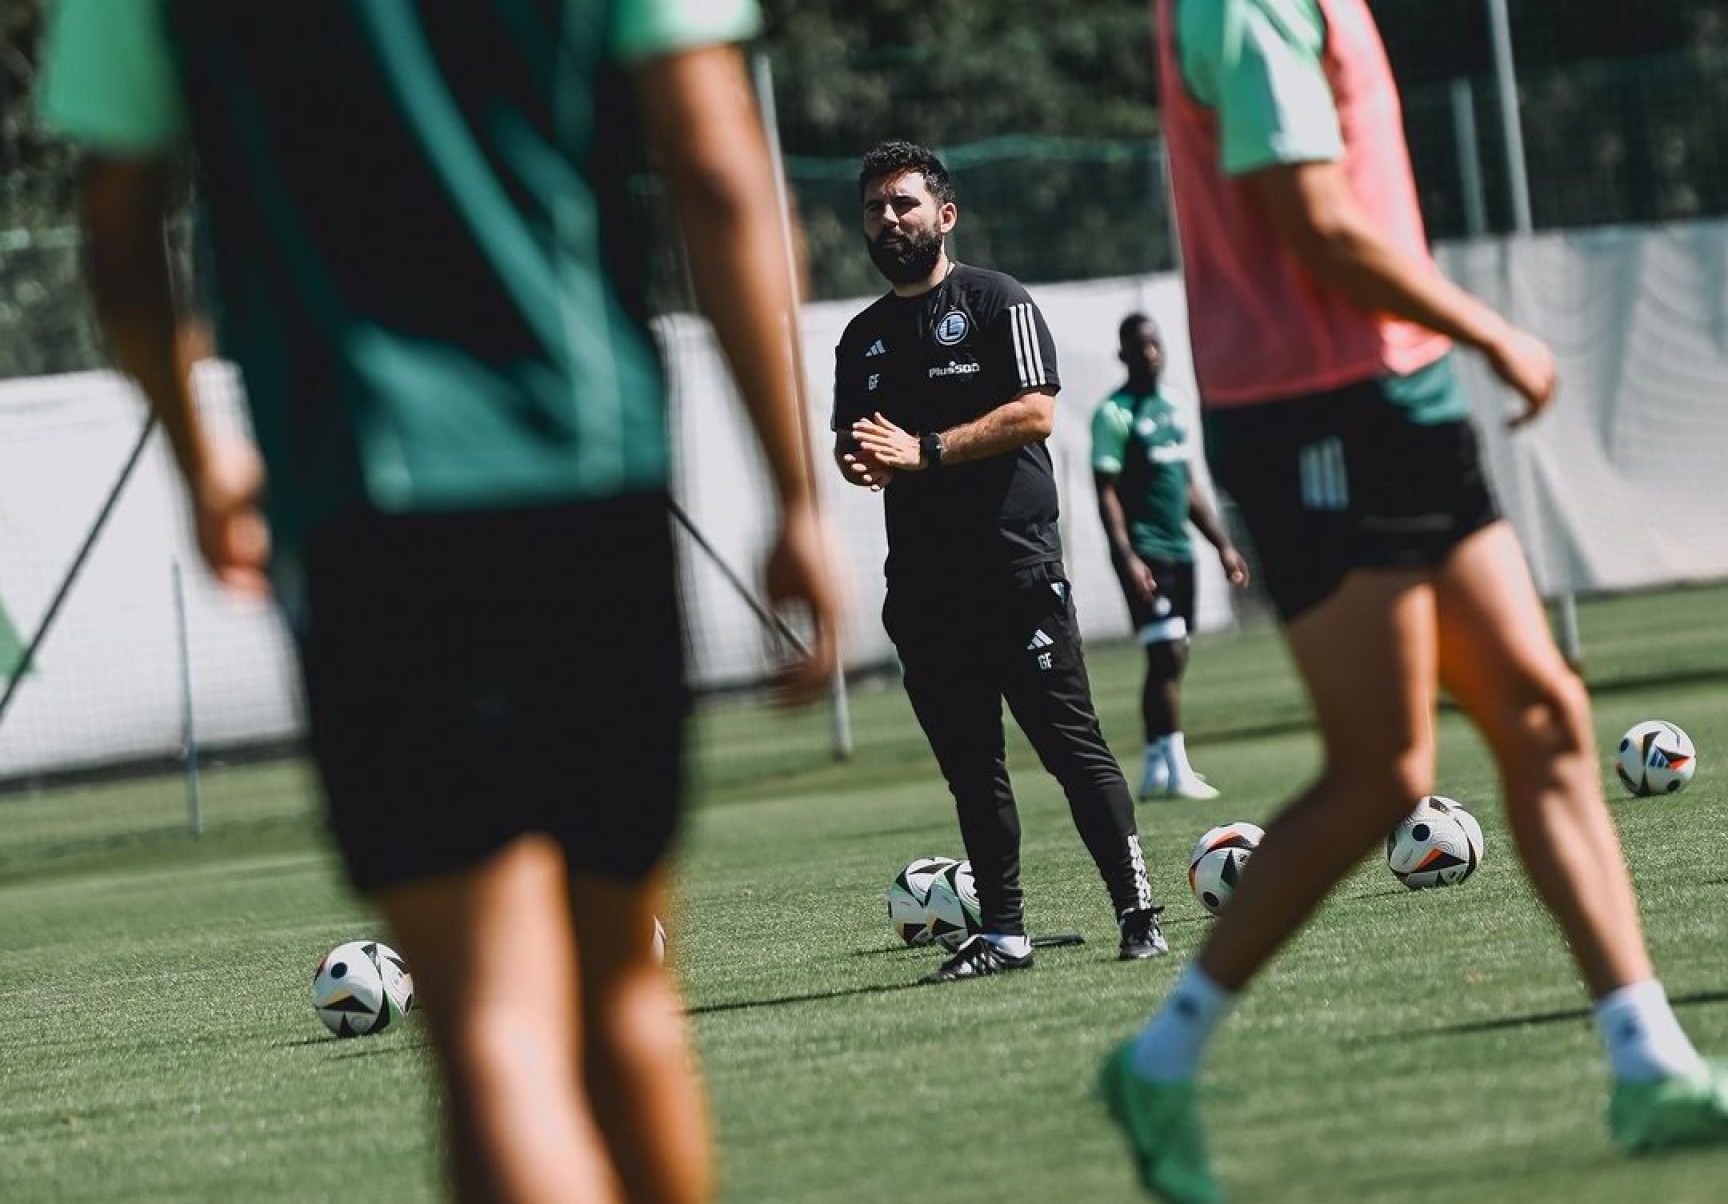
<point>1438,844</point>
<point>909,898</point>
<point>360,987</point>
<point>1217,860</point>
<point>1656,758</point>
<point>953,906</point>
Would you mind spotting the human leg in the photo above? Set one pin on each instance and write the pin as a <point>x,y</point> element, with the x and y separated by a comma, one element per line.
<point>1498,659</point>
<point>1163,628</point>
<point>1160,694</point>
<point>1047,688</point>
<point>494,963</point>
<point>1367,657</point>
<point>636,1055</point>
<point>958,704</point>
<point>1374,710</point>
<point>470,776</point>
<point>1500,662</point>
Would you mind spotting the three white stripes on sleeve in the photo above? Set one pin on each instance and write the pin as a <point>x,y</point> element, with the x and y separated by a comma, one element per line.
<point>1028,355</point>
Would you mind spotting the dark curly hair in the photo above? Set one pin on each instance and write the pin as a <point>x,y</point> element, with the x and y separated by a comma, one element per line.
<point>887,160</point>
<point>1133,329</point>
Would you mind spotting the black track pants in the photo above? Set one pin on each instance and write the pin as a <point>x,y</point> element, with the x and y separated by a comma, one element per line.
<point>964,650</point>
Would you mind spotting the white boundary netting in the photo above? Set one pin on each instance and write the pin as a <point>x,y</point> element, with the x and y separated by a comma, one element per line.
<point>1620,487</point>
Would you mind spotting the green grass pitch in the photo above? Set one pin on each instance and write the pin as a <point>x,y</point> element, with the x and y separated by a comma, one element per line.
<point>157,1040</point>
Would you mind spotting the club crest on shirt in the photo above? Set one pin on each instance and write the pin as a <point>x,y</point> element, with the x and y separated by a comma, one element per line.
<point>953,327</point>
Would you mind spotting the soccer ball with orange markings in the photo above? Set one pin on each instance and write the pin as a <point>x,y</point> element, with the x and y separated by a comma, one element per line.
<point>1217,862</point>
<point>1438,844</point>
<point>1655,757</point>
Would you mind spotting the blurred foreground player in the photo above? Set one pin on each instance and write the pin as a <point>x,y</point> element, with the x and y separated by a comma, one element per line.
<point>1322,336</point>
<point>426,272</point>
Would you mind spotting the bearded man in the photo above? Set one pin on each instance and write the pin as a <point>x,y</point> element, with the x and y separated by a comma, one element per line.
<point>944,393</point>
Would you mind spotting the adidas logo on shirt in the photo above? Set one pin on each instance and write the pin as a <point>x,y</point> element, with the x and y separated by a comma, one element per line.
<point>1039,640</point>
<point>877,348</point>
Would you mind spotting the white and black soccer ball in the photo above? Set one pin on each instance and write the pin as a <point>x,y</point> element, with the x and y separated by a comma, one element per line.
<point>909,898</point>
<point>1655,757</point>
<point>361,987</point>
<point>952,906</point>
<point>1217,860</point>
<point>1438,844</point>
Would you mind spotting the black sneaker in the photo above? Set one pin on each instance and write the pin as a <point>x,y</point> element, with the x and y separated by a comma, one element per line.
<point>1142,937</point>
<point>976,958</point>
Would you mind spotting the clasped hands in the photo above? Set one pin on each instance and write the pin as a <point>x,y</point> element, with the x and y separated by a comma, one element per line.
<point>883,450</point>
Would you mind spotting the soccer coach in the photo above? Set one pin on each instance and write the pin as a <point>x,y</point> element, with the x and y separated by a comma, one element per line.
<point>944,392</point>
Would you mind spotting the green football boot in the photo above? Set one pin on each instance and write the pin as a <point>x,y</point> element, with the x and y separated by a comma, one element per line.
<point>1162,1122</point>
<point>1675,1111</point>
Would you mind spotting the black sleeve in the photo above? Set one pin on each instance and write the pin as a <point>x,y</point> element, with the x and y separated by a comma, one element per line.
<point>851,385</point>
<point>1018,353</point>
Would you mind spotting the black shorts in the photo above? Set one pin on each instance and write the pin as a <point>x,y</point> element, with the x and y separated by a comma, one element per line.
<point>1170,613</point>
<point>1344,480</point>
<point>475,677</point>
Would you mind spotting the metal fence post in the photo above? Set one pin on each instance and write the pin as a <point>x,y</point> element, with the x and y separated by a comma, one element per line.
<point>1511,124</point>
<point>1564,600</point>
<point>839,707</point>
<point>188,723</point>
<point>1469,157</point>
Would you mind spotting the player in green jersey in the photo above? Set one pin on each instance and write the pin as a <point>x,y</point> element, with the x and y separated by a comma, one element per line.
<point>1323,337</point>
<point>428,273</point>
<point>1147,496</point>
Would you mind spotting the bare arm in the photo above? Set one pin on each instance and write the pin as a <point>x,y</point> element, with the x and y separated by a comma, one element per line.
<point>1311,207</point>
<point>123,203</point>
<point>1136,578</point>
<point>702,122</point>
<point>1009,427</point>
<point>1205,520</point>
<point>701,119</point>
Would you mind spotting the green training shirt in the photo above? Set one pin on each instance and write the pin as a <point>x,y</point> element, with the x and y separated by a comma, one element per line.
<point>427,264</point>
<point>1258,65</point>
<point>1141,441</point>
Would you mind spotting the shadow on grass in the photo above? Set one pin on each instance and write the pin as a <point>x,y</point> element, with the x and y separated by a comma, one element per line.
<point>936,829</point>
<point>1057,940</point>
<point>356,1047</point>
<point>1566,1016</point>
<point>741,1005</point>
<point>1169,921</point>
<point>1046,940</point>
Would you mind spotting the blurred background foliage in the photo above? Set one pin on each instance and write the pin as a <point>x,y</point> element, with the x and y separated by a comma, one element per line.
<point>1045,114</point>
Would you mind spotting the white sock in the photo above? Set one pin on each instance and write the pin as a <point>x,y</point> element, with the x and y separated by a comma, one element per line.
<point>1180,770</point>
<point>1644,1039</point>
<point>1156,774</point>
<point>1169,1048</point>
<point>1013,946</point>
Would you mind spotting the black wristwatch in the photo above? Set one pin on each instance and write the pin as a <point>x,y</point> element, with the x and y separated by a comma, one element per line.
<point>931,446</point>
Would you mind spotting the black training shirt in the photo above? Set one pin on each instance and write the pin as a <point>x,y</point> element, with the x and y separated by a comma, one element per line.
<point>973,343</point>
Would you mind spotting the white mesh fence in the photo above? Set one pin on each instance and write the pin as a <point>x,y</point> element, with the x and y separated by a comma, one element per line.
<point>1619,487</point>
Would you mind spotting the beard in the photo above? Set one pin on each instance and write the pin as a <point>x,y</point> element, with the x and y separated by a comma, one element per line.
<point>906,260</point>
